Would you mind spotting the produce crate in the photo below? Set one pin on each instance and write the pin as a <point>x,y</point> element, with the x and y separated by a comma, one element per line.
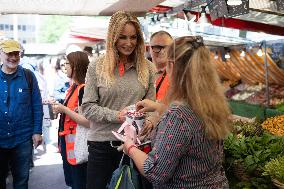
<point>251,110</point>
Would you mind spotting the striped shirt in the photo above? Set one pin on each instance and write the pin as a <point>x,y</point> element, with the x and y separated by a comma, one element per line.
<point>182,157</point>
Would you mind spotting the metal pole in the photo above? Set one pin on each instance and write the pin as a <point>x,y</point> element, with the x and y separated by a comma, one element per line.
<point>266,75</point>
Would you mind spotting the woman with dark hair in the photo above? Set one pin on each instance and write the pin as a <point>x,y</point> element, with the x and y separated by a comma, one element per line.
<point>113,82</point>
<point>61,81</point>
<point>187,147</point>
<point>76,67</point>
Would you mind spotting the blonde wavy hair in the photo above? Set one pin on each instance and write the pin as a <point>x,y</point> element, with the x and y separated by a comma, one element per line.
<point>105,69</point>
<point>194,80</point>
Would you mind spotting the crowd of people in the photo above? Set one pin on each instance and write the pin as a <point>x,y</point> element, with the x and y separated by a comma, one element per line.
<point>179,92</point>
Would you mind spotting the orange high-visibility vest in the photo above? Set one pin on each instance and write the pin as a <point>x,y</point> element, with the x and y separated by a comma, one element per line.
<point>161,92</point>
<point>70,125</point>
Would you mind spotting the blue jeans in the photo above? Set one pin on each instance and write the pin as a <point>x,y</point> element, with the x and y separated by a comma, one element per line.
<point>18,159</point>
<point>75,175</point>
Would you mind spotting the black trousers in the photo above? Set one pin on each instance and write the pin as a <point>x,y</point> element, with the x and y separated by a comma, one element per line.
<point>102,161</point>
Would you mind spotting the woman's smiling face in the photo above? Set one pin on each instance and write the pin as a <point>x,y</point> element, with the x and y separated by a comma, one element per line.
<point>127,40</point>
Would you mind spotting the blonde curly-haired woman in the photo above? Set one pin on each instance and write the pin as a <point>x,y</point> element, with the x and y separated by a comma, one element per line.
<point>119,79</point>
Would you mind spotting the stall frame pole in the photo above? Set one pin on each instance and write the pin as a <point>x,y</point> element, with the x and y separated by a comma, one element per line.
<point>266,78</point>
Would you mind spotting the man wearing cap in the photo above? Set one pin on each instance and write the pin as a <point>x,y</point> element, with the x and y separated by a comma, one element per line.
<point>20,116</point>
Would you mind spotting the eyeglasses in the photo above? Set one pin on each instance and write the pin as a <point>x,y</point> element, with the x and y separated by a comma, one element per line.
<point>66,63</point>
<point>157,48</point>
<point>15,53</point>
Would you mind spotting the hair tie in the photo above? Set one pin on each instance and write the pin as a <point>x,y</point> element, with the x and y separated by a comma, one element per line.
<point>198,42</point>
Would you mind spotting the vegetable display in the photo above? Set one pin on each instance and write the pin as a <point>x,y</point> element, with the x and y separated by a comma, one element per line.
<point>247,150</point>
<point>275,125</point>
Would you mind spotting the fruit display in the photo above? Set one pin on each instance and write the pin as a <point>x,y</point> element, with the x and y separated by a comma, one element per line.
<point>242,91</point>
<point>274,125</point>
<point>258,87</point>
<point>251,88</point>
<point>242,95</point>
<point>275,101</point>
<point>242,86</point>
<point>231,92</point>
<point>256,94</point>
<point>257,98</point>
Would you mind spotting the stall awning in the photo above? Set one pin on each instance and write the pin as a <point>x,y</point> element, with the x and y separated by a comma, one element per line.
<point>76,7</point>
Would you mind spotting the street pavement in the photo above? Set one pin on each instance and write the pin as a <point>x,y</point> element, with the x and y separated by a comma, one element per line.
<point>47,172</point>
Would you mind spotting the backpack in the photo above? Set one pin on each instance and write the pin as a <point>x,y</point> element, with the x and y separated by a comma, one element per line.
<point>125,177</point>
<point>29,78</point>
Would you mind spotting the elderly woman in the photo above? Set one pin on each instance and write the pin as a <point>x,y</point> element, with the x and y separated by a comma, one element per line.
<point>187,150</point>
<point>113,82</point>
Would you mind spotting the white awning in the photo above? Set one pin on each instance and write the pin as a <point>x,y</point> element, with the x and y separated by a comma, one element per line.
<point>76,7</point>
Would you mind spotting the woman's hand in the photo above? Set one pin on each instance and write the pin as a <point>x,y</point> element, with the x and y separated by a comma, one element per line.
<point>122,115</point>
<point>146,130</point>
<point>58,108</point>
<point>147,105</point>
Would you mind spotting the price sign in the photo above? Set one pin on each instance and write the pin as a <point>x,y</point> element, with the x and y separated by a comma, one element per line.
<point>217,8</point>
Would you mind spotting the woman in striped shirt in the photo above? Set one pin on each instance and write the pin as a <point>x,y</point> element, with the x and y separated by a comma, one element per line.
<point>187,149</point>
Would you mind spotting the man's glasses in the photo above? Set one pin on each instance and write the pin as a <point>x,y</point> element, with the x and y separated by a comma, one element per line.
<point>15,53</point>
<point>157,48</point>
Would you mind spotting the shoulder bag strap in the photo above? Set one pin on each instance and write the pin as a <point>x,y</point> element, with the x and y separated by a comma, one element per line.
<point>161,81</point>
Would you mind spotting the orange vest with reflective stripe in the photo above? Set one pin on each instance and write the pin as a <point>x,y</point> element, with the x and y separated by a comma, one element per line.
<point>70,126</point>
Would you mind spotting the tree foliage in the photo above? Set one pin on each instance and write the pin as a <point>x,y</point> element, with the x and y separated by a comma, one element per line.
<point>53,27</point>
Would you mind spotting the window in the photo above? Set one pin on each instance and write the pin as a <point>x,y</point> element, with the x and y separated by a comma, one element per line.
<point>1,26</point>
<point>29,28</point>
<point>11,27</point>
<point>24,27</point>
<point>19,27</point>
<point>6,27</point>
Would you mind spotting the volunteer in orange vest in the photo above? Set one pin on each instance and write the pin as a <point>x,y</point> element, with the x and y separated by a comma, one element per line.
<point>76,67</point>
<point>159,42</point>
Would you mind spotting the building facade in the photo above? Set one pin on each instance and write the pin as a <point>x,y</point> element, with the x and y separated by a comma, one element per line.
<point>22,28</point>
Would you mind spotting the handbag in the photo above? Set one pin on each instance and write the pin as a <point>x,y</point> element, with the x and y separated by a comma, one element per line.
<point>125,177</point>
<point>81,146</point>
